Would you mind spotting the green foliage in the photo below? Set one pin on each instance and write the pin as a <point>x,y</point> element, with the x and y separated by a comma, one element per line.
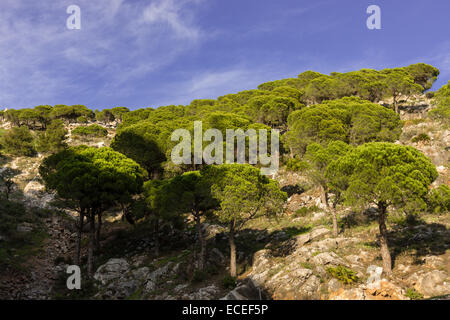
<point>439,199</point>
<point>442,100</point>
<point>53,139</point>
<point>295,164</point>
<point>191,190</point>
<point>18,141</point>
<point>135,116</point>
<point>243,193</point>
<point>384,173</point>
<point>199,276</point>
<point>400,82</point>
<point>423,74</point>
<point>290,82</point>
<point>228,282</point>
<point>318,158</point>
<point>70,113</point>
<point>91,177</point>
<point>343,274</point>
<point>110,115</point>
<point>143,142</point>
<point>303,211</point>
<point>82,119</point>
<point>423,137</point>
<point>16,247</point>
<point>39,117</point>
<point>350,120</point>
<point>104,116</point>
<point>157,203</point>
<point>273,110</point>
<point>367,84</point>
<point>93,130</point>
<point>413,294</point>
<point>6,180</point>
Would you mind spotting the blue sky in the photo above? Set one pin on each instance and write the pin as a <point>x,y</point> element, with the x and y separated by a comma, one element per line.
<point>148,53</point>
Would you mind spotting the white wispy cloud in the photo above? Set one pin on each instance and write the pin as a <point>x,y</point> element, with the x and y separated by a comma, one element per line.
<point>217,82</point>
<point>120,41</point>
<point>170,12</point>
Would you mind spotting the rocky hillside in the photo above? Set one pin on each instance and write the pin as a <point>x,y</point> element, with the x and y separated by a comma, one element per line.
<point>290,257</point>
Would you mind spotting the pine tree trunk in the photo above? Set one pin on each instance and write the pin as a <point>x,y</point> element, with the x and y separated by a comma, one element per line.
<point>79,232</point>
<point>156,237</point>
<point>335,224</point>
<point>233,272</point>
<point>324,197</point>
<point>385,254</point>
<point>325,201</point>
<point>91,243</point>
<point>98,233</point>
<point>395,104</point>
<point>201,239</point>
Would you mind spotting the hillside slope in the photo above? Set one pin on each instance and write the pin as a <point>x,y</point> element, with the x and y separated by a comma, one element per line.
<point>293,257</point>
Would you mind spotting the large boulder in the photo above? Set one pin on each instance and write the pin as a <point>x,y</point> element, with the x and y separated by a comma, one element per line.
<point>152,279</point>
<point>311,236</point>
<point>433,283</point>
<point>206,293</point>
<point>111,270</point>
<point>283,280</point>
<point>247,290</point>
<point>328,259</point>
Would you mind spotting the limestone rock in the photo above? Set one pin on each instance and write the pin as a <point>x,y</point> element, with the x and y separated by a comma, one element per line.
<point>374,273</point>
<point>384,290</point>
<point>245,291</point>
<point>207,293</point>
<point>328,258</point>
<point>311,236</point>
<point>350,294</point>
<point>334,285</point>
<point>433,283</point>
<point>111,270</point>
<point>156,275</point>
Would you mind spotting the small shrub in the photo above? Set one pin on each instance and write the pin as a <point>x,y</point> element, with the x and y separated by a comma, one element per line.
<point>296,164</point>
<point>228,282</point>
<point>295,231</point>
<point>343,274</point>
<point>423,137</point>
<point>18,141</point>
<point>212,270</point>
<point>93,130</point>
<point>53,139</point>
<point>413,294</point>
<point>199,276</point>
<point>303,211</point>
<point>439,199</point>
<point>82,119</point>
<point>440,113</point>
